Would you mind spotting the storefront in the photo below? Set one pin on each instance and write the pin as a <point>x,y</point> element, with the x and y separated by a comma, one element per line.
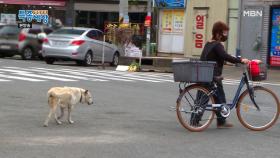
<point>171,23</point>
<point>96,13</point>
<point>259,30</point>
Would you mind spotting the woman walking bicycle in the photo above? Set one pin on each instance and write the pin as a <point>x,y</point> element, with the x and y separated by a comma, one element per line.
<point>215,51</point>
<point>203,95</point>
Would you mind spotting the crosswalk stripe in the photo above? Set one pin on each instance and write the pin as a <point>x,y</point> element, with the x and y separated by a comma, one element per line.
<point>46,77</point>
<point>118,76</point>
<point>113,77</point>
<point>46,72</point>
<point>81,74</point>
<point>29,74</point>
<point>21,78</point>
<point>143,76</point>
<point>126,75</point>
<point>3,80</point>
<point>14,71</point>
<point>75,77</point>
<point>36,74</point>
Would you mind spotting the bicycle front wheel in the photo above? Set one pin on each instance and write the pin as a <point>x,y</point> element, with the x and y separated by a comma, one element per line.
<point>191,110</point>
<point>254,119</point>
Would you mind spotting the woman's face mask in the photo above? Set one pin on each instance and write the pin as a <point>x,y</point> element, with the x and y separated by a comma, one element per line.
<point>224,36</point>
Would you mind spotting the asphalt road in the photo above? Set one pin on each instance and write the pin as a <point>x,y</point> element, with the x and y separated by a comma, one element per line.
<point>130,118</point>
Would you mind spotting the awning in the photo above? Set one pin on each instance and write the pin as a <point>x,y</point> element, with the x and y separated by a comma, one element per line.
<point>60,3</point>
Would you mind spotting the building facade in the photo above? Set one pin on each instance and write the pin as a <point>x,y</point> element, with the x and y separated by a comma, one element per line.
<point>95,13</point>
<point>260,30</point>
<point>171,24</point>
<point>84,13</point>
<point>198,19</point>
<point>201,15</point>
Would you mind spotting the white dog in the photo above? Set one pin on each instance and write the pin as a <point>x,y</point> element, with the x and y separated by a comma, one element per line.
<point>66,97</point>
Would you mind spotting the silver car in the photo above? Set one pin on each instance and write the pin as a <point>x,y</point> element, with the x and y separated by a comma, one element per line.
<point>83,45</point>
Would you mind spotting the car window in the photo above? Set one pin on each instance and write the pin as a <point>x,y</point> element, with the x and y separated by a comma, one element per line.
<point>48,30</point>
<point>34,31</point>
<point>69,31</point>
<point>92,34</point>
<point>99,36</point>
<point>9,30</point>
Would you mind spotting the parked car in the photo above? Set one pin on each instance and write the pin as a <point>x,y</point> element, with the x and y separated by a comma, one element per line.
<point>8,40</point>
<point>83,45</point>
<point>30,45</point>
<point>24,42</point>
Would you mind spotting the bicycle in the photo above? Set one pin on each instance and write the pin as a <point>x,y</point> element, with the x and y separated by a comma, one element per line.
<point>196,105</point>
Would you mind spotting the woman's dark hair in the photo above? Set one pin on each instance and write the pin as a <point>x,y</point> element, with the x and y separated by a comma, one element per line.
<point>218,28</point>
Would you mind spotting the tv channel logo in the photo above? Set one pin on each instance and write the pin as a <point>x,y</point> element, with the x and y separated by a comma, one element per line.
<point>253,13</point>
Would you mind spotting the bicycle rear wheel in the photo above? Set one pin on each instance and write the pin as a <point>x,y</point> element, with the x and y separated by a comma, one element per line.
<point>190,111</point>
<point>258,120</point>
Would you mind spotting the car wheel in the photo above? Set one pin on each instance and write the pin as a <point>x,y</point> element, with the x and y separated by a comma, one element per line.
<point>88,59</point>
<point>27,53</point>
<point>79,63</point>
<point>49,60</point>
<point>41,57</point>
<point>2,56</point>
<point>115,60</point>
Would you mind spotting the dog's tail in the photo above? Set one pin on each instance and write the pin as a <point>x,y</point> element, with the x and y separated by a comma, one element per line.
<point>50,98</point>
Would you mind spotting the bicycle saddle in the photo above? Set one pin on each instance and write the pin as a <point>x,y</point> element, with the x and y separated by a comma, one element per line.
<point>218,78</point>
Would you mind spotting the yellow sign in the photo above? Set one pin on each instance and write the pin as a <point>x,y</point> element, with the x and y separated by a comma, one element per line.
<point>167,21</point>
<point>172,21</point>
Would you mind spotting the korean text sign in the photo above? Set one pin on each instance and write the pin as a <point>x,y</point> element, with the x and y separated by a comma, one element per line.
<point>40,16</point>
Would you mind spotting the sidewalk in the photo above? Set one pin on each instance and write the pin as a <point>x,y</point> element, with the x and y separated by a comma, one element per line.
<point>164,65</point>
<point>229,72</point>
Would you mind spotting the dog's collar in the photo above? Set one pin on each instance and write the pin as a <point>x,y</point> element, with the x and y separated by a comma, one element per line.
<point>81,96</point>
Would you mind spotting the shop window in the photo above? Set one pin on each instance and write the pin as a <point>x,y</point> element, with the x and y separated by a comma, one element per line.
<point>136,17</point>
<point>92,19</point>
<point>82,18</point>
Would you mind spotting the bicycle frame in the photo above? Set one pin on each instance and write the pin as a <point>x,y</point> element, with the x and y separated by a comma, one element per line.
<point>244,81</point>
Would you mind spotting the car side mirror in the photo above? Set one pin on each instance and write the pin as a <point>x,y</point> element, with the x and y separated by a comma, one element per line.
<point>41,36</point>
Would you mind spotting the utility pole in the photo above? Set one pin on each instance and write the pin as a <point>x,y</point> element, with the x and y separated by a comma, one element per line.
<point>70,14</point>
<point>123,9</point>
<point>240,9</point>
<point>148,36</point>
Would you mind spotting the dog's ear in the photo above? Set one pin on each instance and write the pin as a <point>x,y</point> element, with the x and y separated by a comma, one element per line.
<point>86,91</point>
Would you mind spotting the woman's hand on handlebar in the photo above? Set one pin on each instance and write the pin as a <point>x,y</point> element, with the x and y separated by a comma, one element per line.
<point>245,61</point>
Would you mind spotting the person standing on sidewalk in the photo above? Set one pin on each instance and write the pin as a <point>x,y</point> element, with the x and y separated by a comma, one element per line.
<point>215,51</point>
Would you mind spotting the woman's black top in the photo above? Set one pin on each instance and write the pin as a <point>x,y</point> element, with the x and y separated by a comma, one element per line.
<point>215,51</point>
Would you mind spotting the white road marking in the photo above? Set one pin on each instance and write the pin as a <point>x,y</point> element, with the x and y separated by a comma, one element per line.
<point>63,74</point>
<point>21,78</point>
